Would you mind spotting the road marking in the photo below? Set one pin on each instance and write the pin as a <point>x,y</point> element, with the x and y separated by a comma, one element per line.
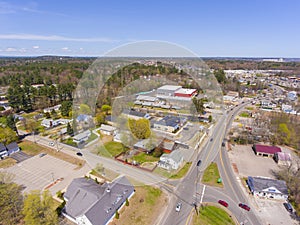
<point>189,217</point>
<point>202,194</point>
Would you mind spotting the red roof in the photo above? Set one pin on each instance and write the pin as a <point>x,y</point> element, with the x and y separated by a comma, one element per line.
<point>267,149</point>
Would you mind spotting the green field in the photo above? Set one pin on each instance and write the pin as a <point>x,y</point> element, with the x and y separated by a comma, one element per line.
<point>111,149</point>
<point>244,114</point>
<point>212,215</point>
<point>144,157</point>
<point>182,172</point>
<point>211,175</point>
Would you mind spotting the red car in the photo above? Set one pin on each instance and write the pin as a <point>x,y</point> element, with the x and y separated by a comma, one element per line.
<point>223,203</point>
<point>244,206</point>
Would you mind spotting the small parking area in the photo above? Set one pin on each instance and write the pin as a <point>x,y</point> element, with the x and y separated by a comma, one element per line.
<point>249,164</point>
<point>274,212</point>
<point>38,172</point>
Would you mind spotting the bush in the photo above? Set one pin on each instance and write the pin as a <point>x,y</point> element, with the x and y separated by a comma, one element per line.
<point>117,215</point>
<point>127,202</point>
<point>60,195</point>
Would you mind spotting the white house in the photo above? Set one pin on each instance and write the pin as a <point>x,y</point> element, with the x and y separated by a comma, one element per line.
<point>108,130</point>
<point>268,188</point>
<point>171,161</point>
<point>81,137</point>
<point>50,109</point>
<point>49,123</point>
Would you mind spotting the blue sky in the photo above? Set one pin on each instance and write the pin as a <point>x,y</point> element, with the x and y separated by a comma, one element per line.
<point>256,28</point>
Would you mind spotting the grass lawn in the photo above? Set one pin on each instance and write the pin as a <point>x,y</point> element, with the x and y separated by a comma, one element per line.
<point>144,157</point>
<point>212,215</point>
<point>144,207</point>
<point>249,108</point>
<point>8,162</point>
<point>92,137</point>
<point>182,172</point>
<point>244,114</point>
<point>31,148</point>
<point>211,175</point>
<point>111,149</point>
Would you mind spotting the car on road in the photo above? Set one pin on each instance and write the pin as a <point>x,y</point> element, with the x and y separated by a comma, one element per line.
<point>211,139</point>
<point>42,155</point>
<point>223,144</point>
<point>178,207</point>
<point>51,143</point>
<point>288,206</point>
<point>244,206</point>
<point>223,203</point>
<point>79,154</point>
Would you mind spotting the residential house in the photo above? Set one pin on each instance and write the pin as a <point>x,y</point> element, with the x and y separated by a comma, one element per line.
<point>48,123</point>
<point>84,118</point>
<point>12,148</point>
<point>268,188</point>
<point>89,203</point>
<point>50,109</point>
<point>82,137</point>
<point>108,130</point>
<point>135,114</point>
<point>168,146</point>
<point>265,150</point>
<point>171,161</point>
<point>283,158</point>
<point>3,151</point>
<point>146,145</point>
<point>169,123</point>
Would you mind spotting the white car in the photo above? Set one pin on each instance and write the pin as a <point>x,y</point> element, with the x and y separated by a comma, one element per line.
<point>51,143</point>
<point>178,206</point>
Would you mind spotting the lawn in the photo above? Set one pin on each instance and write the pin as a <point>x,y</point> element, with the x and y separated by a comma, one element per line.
<point>111,149</point>
<point>144,207</point>
<point>30,148</point>
<point>211,175</point>
<point>212,215</point>
<point>144,157</point>
<point>182,172</point>
<point>92,137</point>
<point>8,162</point>
<point>244,114</point>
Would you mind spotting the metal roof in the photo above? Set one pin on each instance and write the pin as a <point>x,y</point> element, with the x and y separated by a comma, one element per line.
<point>261,184</point>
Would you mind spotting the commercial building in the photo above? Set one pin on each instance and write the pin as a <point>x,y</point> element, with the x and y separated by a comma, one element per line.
<point>265,150</point>
<point>89,203</point>
<point>186,93</point>
<point>268,188</point>
<point>167,90</point>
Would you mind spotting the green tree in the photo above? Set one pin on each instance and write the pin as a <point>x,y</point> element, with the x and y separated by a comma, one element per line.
<point>105,108</point>
<point>220,76</point>
<point>84,109</point>
<point>11,203</point>
<point>66,107</point>
<point>39,209</point>
<point>70,130</point>
<point>100,119</point>
<point>11,123</point>
<point>140,128</point>
<point>210,118</point>
<point>198,105</point>
<point>284,133</point>
<point>7,135</point>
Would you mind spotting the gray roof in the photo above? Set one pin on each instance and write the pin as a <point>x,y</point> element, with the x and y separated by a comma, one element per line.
<point>134,113</point>
<point>169,87</point>
<point>105,127</point>
<point>86,197</point>
<point>147,144</point>
<point>2,147</point>
<point>82,135</point>
<point>261,183</point>
<point>175,155</point>
<point>12,146</point>
<point>171,121</point>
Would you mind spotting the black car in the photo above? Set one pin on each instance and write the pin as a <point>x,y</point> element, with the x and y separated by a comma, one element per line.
<point>211,139</point>
<point>288,206</point>
<point>79,153</point>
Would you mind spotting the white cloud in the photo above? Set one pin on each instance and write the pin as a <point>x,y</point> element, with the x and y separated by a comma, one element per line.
<point>51,38</point>
<point>36,47</point>
<point>11,50</point>
<point>65,49</point>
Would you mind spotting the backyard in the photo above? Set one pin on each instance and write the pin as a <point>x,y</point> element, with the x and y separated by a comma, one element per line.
<point>111,149</point>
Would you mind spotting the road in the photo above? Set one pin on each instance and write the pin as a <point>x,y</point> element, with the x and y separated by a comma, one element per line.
<point>190,191</point>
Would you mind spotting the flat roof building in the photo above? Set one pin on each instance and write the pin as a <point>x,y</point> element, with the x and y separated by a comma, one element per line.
<point>265,150</point>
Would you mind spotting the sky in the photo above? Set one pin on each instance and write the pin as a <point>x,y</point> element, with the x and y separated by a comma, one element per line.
<point>214,28</point>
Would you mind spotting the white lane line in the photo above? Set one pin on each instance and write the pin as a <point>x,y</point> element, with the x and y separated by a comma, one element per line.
<point>202,194</point>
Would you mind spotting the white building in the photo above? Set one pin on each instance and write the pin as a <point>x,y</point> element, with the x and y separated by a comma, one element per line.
<point>49,123</point>
<point>108,130</point>
<point>81,137</point>
<point>171,161</point>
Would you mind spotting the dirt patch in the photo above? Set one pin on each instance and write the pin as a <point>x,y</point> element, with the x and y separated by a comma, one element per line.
<point>235,168</point>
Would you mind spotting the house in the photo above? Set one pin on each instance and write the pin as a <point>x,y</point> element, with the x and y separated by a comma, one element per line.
<point>48,123</point>
<point>108,130</point>
<point>265,150</point>
<point>89,203</point>
<point>135,114</point>
<point>12,148</point>
<point>146,145</point>
<point>50,109</point>
<point>3,151</point>
<point>268,188</point>
<point>82,137</point>
<point>170,123</point>
<point>171,161</point>
<point>83,118</point>
<point>168,146</point>
<point>283,158</point>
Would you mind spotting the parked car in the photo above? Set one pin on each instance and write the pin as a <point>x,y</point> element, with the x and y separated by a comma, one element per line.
<point>42,155</point>
<point>244,206</point>
<point>223,203</point>
<point>79,153</point>
<point>51,143</point>
<point>288,206</point>
<point>178,206</point>
<point>211,139</point>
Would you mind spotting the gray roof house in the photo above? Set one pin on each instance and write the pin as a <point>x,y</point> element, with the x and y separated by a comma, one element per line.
<point>268,188</point>
<point>171,161</point>
<point>3,151</point>
<point>89,203</point>
<point>12,148</point>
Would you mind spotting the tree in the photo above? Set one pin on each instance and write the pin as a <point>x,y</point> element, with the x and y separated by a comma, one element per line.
<point>11,123</point>
<point>39,209</point>
<point>84,109</point>
<point>11,203</point>
<point>220,76</point>
<point>70,130</point>
<point>198,105</point>
<point>66,107</point>
<point>100,119</point>
<point>284,133</point>
<point>7,135</point>
<point>127,202</point>
<point>210,118</point>
<point>105,108</point>
<point>140,128</point>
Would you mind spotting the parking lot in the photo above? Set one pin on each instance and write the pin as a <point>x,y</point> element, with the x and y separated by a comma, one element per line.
<point>249,164</point>
<point>37,172</point>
